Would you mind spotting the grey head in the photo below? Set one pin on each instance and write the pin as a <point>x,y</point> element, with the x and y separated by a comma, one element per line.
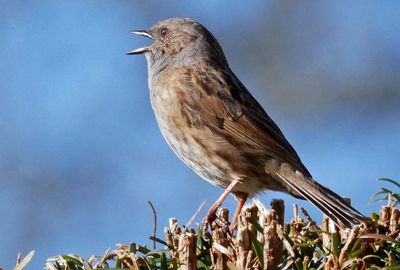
<point>179,42</point>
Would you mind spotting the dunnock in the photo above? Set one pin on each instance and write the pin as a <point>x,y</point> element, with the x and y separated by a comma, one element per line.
<point>216,126</point>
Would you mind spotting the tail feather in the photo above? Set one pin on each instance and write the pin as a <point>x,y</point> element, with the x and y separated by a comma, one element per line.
<point>331,204</point>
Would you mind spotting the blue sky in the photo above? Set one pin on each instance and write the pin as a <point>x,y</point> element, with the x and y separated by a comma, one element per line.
<point>81,153</point>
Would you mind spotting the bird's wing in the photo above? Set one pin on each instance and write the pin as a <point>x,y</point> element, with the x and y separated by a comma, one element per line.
<point>228,105</point>
<point>219,102</point>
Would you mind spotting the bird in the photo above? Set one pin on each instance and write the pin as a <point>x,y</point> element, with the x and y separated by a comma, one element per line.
<point>217,128</point>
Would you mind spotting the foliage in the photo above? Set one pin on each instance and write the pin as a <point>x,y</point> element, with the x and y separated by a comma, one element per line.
<point>387,195</point>
<point>260,242</point>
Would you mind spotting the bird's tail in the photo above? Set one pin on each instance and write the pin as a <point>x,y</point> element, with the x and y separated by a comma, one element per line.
<point>331,204</point>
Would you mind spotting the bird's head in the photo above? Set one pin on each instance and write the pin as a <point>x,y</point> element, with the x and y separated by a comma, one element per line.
<point>179,41</point>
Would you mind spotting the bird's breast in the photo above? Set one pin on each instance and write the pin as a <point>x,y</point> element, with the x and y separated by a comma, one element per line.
<point>195,147</point>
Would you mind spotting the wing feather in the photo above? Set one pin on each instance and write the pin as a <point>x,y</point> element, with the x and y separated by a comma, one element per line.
<point>227,101</point>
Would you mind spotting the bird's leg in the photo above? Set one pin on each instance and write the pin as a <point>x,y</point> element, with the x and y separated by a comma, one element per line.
<point>211,213</point>
<point>241,199</point>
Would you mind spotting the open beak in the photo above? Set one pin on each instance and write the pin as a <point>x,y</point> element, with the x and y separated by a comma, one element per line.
<point>143,49</point>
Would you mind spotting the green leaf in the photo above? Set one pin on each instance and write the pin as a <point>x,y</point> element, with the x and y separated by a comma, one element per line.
<point>356,247</point>
<point>157,253</point>
<point>164,265</point>
<point>374,217</point>
<point>117,263</point>
<point>258,248</point>
<point>142,249</point>
<point>396,196</point>
<point>355,253</point>
<point>151,263</point>
<point>335,244</point>
<point>72,259</point>
<point>390,181</point>
<point>132,248</point>
<point>387,191</point>
<point>254,222</point>
<point>162,242</point>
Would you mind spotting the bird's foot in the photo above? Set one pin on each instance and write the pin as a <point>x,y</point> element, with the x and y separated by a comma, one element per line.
<point>241,198</point>
<point>211,213</point>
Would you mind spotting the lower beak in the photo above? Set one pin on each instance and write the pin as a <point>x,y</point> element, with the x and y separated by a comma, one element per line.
<point>143,49</point>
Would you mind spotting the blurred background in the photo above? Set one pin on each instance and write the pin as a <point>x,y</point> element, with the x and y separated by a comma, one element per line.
<point>80,150</point>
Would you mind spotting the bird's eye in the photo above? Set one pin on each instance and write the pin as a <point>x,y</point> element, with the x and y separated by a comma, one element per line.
<point>164,32</point>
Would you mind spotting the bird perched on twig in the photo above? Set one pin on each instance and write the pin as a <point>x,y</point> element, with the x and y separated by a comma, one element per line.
<point>216,126</point>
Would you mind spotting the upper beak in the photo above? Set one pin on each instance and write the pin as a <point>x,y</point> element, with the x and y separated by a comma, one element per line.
<point>143,49</point>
